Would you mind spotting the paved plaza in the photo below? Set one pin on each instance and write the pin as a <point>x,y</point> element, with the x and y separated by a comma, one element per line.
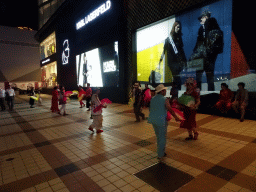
<point>43,151</point>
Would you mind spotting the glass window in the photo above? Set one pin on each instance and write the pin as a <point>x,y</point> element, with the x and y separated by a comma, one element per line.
<point>49,75</point>
<point>54,6</point>
<point>41,1</point>
<point>47,11</point>
<point>41,17</point>
<point>48,46</point>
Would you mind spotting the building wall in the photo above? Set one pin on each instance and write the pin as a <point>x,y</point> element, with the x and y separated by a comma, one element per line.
<point>104,30</point>
<point>19,53</point>
<point>136,14</point>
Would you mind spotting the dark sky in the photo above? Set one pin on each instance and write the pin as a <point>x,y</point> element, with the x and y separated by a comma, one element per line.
<point>19,13</point>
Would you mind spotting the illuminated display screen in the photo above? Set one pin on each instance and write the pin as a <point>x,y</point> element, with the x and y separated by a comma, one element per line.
<point>196,43</point>
<point>99,67</point>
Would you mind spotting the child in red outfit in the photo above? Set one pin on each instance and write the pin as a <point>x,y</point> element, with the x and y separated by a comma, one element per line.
<point>190,112</point>
<point>62,101</point>
<point>96,115</point>
<point>81,92</point>
<point>88,95</point>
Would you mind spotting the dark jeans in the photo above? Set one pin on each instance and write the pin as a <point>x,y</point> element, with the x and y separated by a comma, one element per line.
<point>209,65</point>
<point>10,101</point>
<point>88,100</point>
<point>2,104</point>
<point>31,101</point>
<point>176,68</point>
<point>138,113</point>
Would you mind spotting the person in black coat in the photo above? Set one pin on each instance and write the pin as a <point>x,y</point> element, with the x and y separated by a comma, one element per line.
<point>174,52</point>
<point>31,93</point>
<point>209,44</point>
<point>137,105</point>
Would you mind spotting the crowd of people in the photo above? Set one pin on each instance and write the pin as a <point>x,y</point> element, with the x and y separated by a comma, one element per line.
<point>159,105</point>
<point>8,96</point>
<point>59,97</point>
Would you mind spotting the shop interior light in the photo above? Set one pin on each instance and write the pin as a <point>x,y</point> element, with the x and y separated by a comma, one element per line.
<point>25,28</point>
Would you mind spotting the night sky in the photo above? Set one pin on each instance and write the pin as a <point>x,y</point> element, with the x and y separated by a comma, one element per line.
<point>19,13</point>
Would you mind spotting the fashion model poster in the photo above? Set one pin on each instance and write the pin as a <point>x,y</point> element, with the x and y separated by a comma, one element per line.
<point>99,67</point>
<point>194,43</point>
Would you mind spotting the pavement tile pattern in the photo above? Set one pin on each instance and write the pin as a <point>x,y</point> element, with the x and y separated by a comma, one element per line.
<point>43,151</point>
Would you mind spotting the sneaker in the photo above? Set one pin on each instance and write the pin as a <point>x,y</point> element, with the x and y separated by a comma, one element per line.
<point>88,110</point>
<point>196,135</point>
<point>99,131</point>
<point>91,129</point>
<point>189,138</point>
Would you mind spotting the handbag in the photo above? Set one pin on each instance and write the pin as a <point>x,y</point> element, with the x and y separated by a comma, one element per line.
<point>195,65</point>
<point>155,77</point>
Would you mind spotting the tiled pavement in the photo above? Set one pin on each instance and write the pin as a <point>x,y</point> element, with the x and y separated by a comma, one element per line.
<point>42,151</point>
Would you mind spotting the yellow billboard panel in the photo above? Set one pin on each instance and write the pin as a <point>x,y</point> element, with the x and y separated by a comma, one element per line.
<point>148,60</point>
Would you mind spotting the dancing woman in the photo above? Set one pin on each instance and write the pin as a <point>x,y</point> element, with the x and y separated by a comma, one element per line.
<point>55,99</point>
<point>159,105</point>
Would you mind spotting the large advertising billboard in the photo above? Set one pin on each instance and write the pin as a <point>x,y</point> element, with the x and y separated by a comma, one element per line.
<point>99,67</point>
<point>194,43</point>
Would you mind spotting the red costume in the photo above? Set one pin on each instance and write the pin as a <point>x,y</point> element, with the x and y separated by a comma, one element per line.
<point>88,94</point>
<point>147,97</point>
<point>190,114</point>
<point>81,92</point>
<point>224,102</point>
<point>55,99</point>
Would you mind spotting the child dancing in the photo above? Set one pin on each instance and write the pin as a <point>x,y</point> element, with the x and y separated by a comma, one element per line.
<point>190,111</point>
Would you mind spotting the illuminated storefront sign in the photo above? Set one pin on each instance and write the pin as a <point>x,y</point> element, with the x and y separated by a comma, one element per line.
<point>109,66</point>
<point>93,15</point>
<point>65,53</point>
<point>46,61</point>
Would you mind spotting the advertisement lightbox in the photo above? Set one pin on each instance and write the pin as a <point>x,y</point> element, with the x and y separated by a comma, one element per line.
<point>194,43</point>
<point>99,67</point>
